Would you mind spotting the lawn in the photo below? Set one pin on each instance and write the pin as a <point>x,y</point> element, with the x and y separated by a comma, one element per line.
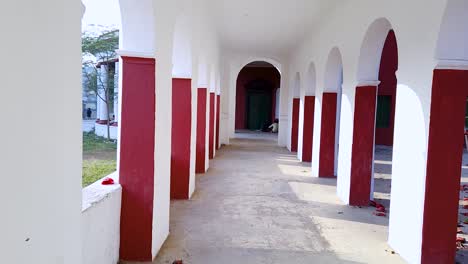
<point>99,158</point>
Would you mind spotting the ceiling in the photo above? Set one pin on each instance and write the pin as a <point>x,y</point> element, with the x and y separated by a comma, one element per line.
<point>271,27</point>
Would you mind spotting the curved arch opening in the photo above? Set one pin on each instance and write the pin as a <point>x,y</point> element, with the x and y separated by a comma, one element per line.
<point>371,51</point>
<point>374,114</point>
<point>257,97</point>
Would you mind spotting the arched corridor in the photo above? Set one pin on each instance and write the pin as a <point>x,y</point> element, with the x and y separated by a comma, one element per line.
<point>365,102</point>
<point>258,204</point>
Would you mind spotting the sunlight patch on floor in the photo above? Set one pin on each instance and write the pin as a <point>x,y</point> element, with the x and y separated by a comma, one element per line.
<point>315,193</point>
<point>344,235</point>
<point>293,170</point>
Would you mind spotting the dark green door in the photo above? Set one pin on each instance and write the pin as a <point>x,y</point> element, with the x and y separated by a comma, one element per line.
<point>259,110</point>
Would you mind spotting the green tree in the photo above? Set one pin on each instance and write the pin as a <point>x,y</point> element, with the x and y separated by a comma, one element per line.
<point>103,47</point>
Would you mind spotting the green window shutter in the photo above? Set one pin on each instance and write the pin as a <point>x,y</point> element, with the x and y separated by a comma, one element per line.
<point>384,110</point>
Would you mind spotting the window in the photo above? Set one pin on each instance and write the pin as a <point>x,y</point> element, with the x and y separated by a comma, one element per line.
<point>384,110</point>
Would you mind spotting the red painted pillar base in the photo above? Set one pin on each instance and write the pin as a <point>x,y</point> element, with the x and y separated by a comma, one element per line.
<point>444,160</point>
<point>295,124</point>
<point>218,109</point>
<point>212,126</point>
<point>327,136</point>
<point>308,135</point>
<point>181,135</point>
<point>137,158</point>
<point>201,131</point>
<point>363,145</point>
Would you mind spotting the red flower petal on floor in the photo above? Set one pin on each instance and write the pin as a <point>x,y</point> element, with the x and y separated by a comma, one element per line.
<point>381,209</point>
<point>108,181</point>
<point>380,214</point>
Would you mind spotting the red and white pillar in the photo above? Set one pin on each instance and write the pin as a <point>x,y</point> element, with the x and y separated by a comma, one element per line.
<point>362,156</point>
<point>328,135</point>
<point>137,155</point>
<point>212,121</point>
<point>295,124</point>
<point>308,128</point>
<point>218,109</point>
<point>181,137</point>
<point>200,163</point>
<point>444,160</point>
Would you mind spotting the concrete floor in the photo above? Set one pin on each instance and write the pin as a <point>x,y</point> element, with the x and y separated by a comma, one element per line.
<point>259,204</point>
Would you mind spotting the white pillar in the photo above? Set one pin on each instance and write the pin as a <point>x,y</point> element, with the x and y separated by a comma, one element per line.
<point>116,92</point>
<point>102,86</point>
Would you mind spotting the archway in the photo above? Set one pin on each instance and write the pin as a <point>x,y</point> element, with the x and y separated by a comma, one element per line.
<point>377,64</point>
<point>256,96</point>
<point>331,108</point>
<point>444,203</point>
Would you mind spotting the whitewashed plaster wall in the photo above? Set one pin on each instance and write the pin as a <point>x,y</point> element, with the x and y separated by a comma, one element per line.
<point>101,130</point>
<point>100,223</point>
<point>345,28</point>
<point>40,165</point>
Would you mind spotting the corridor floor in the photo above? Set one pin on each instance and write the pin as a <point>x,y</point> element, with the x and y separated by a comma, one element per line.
<point>258,204</point>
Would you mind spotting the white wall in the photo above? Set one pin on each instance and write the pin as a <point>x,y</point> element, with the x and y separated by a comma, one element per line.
<point>101,130</point>
<point>345,28</point>
<point>100,223</point>
<point>40,161</point>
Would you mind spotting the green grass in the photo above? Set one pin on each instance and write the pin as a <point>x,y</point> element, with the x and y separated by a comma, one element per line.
<point>99,158</point>
<point>93,143</point>
<point>94,170</point>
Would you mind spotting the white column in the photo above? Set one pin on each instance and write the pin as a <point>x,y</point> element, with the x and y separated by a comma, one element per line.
<point>102,86</point>
<point>116,92</point>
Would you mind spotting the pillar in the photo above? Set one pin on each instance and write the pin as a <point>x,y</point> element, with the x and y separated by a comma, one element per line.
<point>102,86</point>
<point>362,153</point>
<point>444,160</point>
<point>181,137</point>
<point>116,94</point>
<point>308,134</point>
<point>137,156</point>
<point>295,124</point>
<point>328,135</point>
<point>218,109</point>
<point>211,142</point>
<point>201,131</point>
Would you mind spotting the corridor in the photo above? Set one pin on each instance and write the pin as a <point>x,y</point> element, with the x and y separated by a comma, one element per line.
<point>257,204</point>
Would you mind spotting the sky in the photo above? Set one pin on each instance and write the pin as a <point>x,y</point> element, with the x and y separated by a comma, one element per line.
<point>103,13</point>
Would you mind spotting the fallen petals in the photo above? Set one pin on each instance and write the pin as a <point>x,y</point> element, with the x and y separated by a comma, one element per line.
<point>108,181</point>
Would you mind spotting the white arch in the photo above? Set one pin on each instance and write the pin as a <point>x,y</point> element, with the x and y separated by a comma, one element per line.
<point>371,52</point>
<point>182,48</point>
<point>275,63</point>
<point>334,71</point>
<point>138,27</point>
<point>452,46</point>
<point>310,85</point>
<point>297,86</point>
